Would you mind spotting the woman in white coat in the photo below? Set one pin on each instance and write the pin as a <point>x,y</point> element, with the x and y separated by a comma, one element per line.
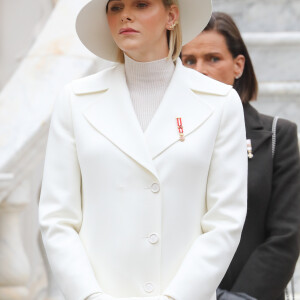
<point>145,180</point>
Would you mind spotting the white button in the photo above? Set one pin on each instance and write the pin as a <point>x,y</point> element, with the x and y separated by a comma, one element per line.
<point>155,188</point>
<point>153,238</point>
<point>148,287</point>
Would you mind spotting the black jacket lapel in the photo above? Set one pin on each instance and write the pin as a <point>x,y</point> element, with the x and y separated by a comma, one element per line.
<point>255,129</point>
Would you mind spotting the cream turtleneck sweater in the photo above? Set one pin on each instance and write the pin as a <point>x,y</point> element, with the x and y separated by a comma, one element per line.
<point>147,83</point>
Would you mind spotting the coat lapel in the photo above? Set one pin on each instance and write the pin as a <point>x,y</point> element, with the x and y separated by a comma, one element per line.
<point>181,100</point>
<point>112,114</point>
<point>255,130</point>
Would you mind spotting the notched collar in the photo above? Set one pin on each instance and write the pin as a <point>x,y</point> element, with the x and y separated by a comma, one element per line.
<point>104,80</point>
<point>95,83</point>
<point>200,83</point>
<point>112,114</point>
<point>255,129</point>
<point>252,118</point>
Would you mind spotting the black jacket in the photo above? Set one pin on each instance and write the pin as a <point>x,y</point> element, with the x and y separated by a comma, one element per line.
<point>269,247</point>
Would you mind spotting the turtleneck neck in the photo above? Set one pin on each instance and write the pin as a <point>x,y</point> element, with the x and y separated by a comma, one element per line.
<point>147,83</point>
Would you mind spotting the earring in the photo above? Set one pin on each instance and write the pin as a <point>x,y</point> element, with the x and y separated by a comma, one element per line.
<point>171,27</point>
<point>239,76</point>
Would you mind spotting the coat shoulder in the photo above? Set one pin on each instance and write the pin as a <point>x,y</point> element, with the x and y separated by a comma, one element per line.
<point>93,83</point>
<point>204,84</point>
<point>286,136</point>
<point>286,125</point>
<point>283,125</point>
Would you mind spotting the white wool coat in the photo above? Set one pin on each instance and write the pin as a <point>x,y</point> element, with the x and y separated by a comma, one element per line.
<point>140,214</point>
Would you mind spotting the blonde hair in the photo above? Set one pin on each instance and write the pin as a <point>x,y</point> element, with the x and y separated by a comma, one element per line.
<point>174,37</point>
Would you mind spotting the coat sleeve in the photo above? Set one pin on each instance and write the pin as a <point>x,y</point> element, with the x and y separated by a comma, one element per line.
<point>60,209</point>
<point>271,266</point>
<point>209,256</point>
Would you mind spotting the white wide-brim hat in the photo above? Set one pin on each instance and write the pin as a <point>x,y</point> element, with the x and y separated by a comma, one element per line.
<point>93,30</point>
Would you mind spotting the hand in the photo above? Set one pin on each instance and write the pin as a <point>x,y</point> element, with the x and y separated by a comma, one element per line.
<point>226,295</point>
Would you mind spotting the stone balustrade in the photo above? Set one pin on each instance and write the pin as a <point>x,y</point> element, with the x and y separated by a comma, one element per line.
<point>15,267</point>
<point>26,101</point>
<point>263,15</point>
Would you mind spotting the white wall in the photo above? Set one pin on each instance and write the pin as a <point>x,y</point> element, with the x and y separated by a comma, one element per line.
<point>18,30</point>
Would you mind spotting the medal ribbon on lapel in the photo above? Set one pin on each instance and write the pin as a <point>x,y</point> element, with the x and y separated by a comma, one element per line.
<point>180,129</point>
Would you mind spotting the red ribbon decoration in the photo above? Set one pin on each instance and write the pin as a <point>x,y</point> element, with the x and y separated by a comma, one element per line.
<point>180,129</point>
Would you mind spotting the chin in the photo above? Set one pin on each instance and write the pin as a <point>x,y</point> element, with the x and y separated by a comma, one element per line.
<point>129,45</point>
<point>130,50</point>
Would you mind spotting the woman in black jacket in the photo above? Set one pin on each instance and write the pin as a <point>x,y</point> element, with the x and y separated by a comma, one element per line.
<point>265,260</point>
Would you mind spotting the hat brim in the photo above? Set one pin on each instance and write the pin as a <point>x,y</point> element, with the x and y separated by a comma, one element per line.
<point>93,30</point>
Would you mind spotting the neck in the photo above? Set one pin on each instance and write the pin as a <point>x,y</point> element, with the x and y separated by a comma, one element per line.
<point>148,56</point>
<point>147,83</point>
<point>143,72</point>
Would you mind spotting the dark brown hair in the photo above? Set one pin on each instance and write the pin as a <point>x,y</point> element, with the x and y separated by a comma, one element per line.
<point>246,85</point>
